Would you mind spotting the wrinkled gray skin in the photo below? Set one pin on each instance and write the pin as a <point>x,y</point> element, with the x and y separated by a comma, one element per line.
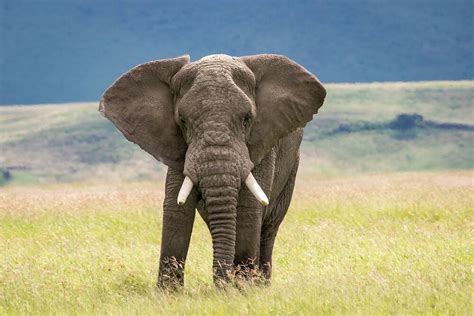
<point>216,120</point>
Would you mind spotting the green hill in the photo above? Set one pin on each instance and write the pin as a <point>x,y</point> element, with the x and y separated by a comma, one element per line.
<point>378,127</point>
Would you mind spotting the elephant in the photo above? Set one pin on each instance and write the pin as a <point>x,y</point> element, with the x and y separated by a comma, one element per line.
<point>229,129</point>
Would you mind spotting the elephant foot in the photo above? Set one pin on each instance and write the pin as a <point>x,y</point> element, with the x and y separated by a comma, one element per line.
<point>248,272</point>
<point>171,275</point>
<point>223,274</point>
<point>267,271</point>
<point>241,276</point>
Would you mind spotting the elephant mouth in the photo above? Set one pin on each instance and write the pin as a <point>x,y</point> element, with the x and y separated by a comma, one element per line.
<point>215,160</point>
<point>250,182</point>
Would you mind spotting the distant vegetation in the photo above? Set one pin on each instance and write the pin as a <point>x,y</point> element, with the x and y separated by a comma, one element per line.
<point>361,128</point>
<point>405,124</point>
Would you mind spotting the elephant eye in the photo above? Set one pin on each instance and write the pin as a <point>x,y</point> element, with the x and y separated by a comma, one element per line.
<point>247,119</point>
<point>182,120</point>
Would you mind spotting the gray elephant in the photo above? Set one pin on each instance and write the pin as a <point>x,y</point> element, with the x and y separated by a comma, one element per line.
<point>229,129</point>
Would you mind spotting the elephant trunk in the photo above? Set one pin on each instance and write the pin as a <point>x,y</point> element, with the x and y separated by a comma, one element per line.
<point>220,193</point>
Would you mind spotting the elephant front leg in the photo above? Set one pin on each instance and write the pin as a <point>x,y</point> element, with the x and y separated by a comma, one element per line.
<point>247,246</point>
<point>249,224</point>
<point>176,232</point>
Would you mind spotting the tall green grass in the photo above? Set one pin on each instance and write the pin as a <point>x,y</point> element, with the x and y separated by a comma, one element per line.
<point>381,244</point>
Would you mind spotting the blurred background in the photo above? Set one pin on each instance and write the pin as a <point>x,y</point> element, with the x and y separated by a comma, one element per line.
<point>417,116</point>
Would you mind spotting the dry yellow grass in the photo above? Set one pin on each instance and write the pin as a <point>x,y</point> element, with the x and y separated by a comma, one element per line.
<point>378,244</point>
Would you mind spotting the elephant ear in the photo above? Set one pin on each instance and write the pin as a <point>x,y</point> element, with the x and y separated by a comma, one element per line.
<point>287,97</point>
<point>140,105</point>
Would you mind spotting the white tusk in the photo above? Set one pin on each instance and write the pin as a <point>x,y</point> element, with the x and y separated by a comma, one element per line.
<point>186,188</point>
<point>256,189</point>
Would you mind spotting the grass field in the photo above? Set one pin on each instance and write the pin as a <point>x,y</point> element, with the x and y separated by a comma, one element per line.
<point>395,243</point>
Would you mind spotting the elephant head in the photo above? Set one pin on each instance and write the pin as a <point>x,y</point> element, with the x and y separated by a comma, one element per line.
<point>214,119</point>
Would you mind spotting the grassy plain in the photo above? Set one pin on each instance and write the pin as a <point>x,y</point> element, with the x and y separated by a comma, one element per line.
<point>380,244</point>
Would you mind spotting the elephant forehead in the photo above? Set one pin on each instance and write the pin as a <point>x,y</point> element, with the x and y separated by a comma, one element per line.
<point>216,57</point>
<point>214,69</point>
<point>219,127</point>
<point>218,62</point>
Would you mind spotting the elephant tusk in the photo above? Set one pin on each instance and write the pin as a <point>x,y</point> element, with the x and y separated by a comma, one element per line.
<point>256,189</point>
<point>186,188</point>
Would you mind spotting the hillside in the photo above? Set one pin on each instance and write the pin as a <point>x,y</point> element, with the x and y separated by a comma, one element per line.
<point>66,51</point>
<point>362,128</point>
